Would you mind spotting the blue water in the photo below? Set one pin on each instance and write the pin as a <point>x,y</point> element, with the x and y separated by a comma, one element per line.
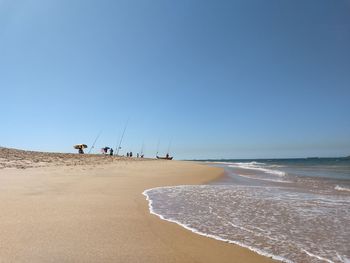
<point>331,168</point>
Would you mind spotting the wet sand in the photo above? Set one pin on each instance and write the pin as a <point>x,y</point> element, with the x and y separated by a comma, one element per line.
<point>92,210</point>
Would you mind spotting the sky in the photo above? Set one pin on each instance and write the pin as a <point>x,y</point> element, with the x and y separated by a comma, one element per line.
<point>210,79</point>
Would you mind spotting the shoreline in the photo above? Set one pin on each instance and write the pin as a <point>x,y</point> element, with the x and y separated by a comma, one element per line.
<point>195,231</point>
<point>97,213</point>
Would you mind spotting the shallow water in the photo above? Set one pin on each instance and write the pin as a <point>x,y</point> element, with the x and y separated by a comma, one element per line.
<point>294,218</point>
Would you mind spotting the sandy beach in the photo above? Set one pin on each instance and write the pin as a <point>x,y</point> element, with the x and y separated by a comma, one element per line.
<point>71,208</point>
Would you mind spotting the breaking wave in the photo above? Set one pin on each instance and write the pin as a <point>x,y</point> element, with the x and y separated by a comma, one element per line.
<point>259,167</point>
<point>341,188</point>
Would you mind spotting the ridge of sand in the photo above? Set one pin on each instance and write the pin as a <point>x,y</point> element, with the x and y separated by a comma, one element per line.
<point>97,213</point>
<point>21,159</point>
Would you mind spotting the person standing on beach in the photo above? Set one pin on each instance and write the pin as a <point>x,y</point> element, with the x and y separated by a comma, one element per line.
<point>111,152</point>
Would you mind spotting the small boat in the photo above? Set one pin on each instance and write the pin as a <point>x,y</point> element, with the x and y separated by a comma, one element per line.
<point>165,158</point>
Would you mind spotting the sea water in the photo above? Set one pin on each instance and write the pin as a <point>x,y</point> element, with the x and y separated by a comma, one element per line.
<point>295,210</point>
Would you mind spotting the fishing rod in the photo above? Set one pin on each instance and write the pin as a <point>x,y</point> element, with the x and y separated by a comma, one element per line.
<point>93,145</point>
<point>170,142</point>
<point>158,147</point>
<point>121,139</point>
<point>143,144</point>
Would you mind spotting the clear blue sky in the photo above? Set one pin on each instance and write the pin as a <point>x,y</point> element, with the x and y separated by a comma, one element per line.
<point>221,79</point>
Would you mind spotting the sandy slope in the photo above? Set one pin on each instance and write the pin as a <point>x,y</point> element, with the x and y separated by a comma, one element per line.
<point>13,158</point>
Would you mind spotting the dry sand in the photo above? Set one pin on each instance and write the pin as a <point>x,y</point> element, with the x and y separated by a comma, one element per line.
<point>95,212</point>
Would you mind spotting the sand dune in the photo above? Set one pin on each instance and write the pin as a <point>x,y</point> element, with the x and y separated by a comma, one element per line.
<point>13,158</point>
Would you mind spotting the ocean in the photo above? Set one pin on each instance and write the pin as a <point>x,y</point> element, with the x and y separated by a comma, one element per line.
<point>293,210</point>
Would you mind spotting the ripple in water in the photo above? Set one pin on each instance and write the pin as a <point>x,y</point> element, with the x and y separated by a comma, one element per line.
<point>273,221</point>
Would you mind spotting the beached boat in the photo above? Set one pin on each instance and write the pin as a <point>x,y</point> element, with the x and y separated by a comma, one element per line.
<point>165,158</point>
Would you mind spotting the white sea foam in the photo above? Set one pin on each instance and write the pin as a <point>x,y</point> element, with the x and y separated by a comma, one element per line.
<point>316,256</point>
<point>264,179</point>
<point>343,259</point>
<point>196,231</point>
<point>258,167</point>
<point>341,188</point>
<point>263,219</point>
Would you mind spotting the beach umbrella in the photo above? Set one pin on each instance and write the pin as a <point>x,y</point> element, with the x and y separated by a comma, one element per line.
<point>80,146</point>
